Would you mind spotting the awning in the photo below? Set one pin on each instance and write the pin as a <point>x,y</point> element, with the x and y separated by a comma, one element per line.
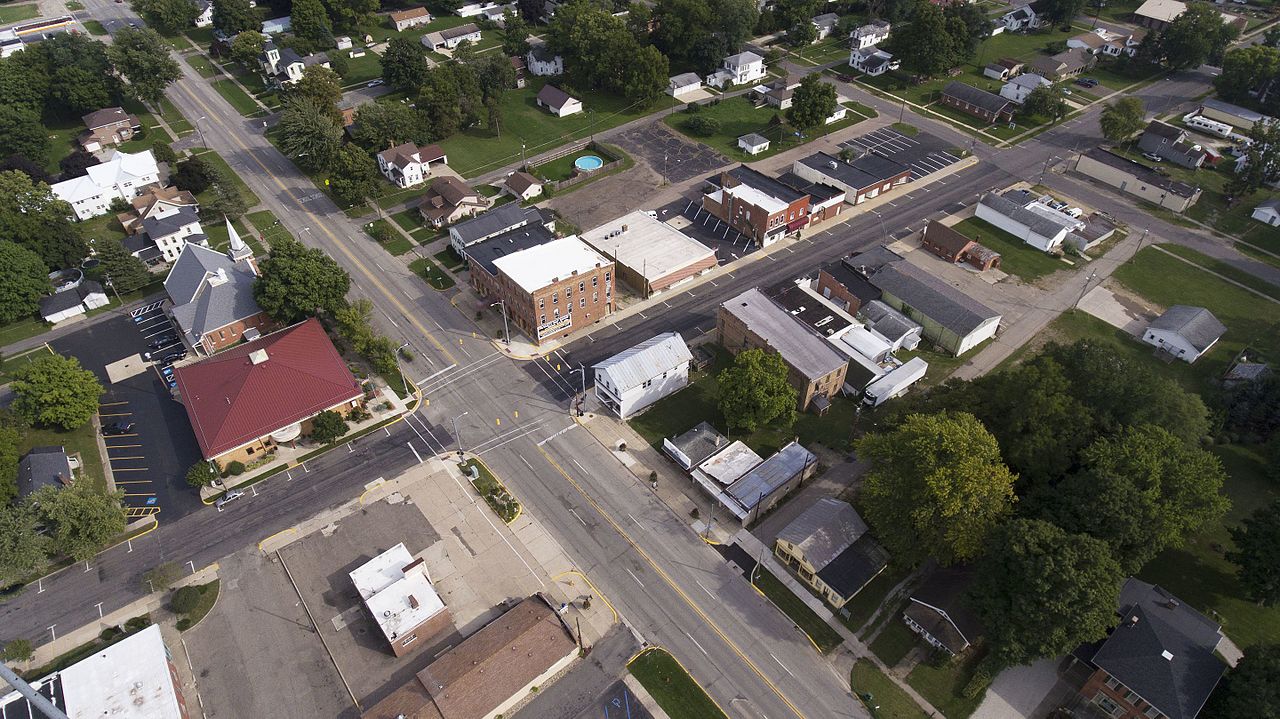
<point>797,224</point>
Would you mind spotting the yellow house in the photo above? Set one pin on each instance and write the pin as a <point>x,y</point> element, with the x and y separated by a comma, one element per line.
<point>829,548</point>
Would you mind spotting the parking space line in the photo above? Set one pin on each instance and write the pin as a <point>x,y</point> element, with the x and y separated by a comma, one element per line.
<point>133,481</point>
<point>112,404</point>
<point>113,459</point>
<point>130,469</point>
<point>126,435</point>
<point>116,414</point>
<point>121,446</point>
<point>143,494</point>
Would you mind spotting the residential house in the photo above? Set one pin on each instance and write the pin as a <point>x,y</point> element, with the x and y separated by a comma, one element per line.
<point>753,321</point>
<point>1137,179</point>
<point>408,165</point>
<point>204,14</point>
<point>451,38</point>
<point>497,221</point>
<point>1035,223</point>
<point>825,201</point>
<point>402,20</point>
<point>1091,42</point>
<point>497,14</point>
<point>957,248</point>
<point>830,549</point>
<point>745,67</point>
<point>684,84</point>
<point>691,449</point>
<point>1159,661</point>
<point>489,672</point>
<point>825,24</point>
<point>981,104</point>
<point>548,287</point>
<point>1024,18</point>
<point>212,295</point>
<point>520,68</point>
<point>342,42</point>
<point>1064,65</point>
<point>472,8</point>
<point>753,144</point>
<point>1268,212</point>
<point>1021,86</point>
<point>558,102</point>
<point>1184,332</point>
<point>72,301</point>
<point>246,400</point>
<point>1171,143</point>
<point>170,232</point>
<point>397,592</point>
<point>122,175</point>
<point>277,26</point>
<point>448,200</point>
<point>635,378</point>
<point>1003,69</point>
<point>107,127</point>
<point>755,205</point>
<point>864,177</point>
<point>284,67</point>
<point>43,467</point>
<point>155,202</point>
<point>779,92</point>
<point>872,61</point>
<point>651,255</point>
<point>1108,41</point>
<point>542,62</point>
<point>869,35</point>
<point>522,186</point>
<point>939,612</point>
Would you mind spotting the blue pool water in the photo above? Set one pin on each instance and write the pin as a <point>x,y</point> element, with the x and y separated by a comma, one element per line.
<point>586,163</point>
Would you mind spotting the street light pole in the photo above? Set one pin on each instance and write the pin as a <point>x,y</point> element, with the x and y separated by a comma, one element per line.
<point>506,330</point>
<point>1084,289</point>
<point>201,131</point>
<point>400,369</point>
<point>458,435</point>
<point>883,231</point>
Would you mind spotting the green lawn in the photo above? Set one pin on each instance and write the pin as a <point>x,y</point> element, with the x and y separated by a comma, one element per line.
<point>672,687</point>
<point>738,117</point>
<point>82,440</point>
<point>382,30</point>
<point>361,70</point>
<point>822,635</point>
<point>477,150</point>
<point>95,28</point>
<point>201,37</point>
<point>895,641</point>
<point>562,168</point>
<point>214,158</point>
<point>449,259</point>
<point>409,219</point>
<point>941,362</point>
<point>1224,269</point>
<point>232,93</point>
<point>1016,257</point>
<point>942,687</point>
<point>431,274</point>
<point>866,602</point>
<point>20,330</point>
<point>201,64</point>
<point>208,596</point>
<point>17,13</point>
<point>884,698</point>
<point>266,223</point>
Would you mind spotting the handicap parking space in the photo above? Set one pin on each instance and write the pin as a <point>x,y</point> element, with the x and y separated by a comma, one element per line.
<point>150,452</point>
<point>923,153</point>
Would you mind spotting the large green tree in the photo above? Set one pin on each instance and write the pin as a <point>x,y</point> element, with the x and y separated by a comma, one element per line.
<point>168,16</point>
<point>299,281</point>
<point>328,427</point>
<point>125,272</point>
<point>937,487</point>
<point>141,56</point>
<point>309,135</point>
<point>977,25</point>
<point>811,103</point>
<point>354,177</point>
<point>81,76</point>
<point>321,87</point>
<point>21,133</point>
<point>1060,12</point>
<point>1257,554</point>
<point>514,34</point>
<point>23,549</point>
<point>1042,592</point>
<point>1045,102</point>
<point>55,391</point>
<point>1195,37</point>
<point>310,21</point>
<point>1245,69</point>
<point>931,43</point>
<point>379,125</point>
<point>404,64</point>
<point>11,434</point>
<point>81,519</point>
<point>754,392</point>
<point>24,80</point>
<point>247,46</point>
<point>31,216</point>
<point>1251,689</point>
<point>348,14</point>
<point>23,281</point>
<point>234,17</point>
<point>1122,119</point>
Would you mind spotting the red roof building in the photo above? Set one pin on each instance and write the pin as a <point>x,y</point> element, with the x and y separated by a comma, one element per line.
<point>243,401</point>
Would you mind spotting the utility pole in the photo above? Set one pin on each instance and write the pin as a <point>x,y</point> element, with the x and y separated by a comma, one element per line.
<point>458,435</point>
<point>506,330</point>
<point>1084,289</point>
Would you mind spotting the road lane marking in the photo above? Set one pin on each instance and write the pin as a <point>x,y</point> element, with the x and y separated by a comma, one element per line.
<point>575,515</point>
<point>704,588</point>
<point>784,666</point>
<point>695,641</point>
<point>415,452</point>
<point>633,576</point>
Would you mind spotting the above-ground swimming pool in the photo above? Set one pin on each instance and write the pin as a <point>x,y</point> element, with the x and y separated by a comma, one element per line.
<point>587,163</point>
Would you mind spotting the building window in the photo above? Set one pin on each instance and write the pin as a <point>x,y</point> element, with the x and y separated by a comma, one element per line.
<point>1152,713</point>
<point>582,302</point>
<point>582,286</point>
<point>595,280</point>
<point>1131,697</point>
<point>542,320</point>
<point>1112,682</point>
<point>556,314</point>
<point>1107,704</point>
<point>555,298</point>
<point>606,277</point>
<point>248,450</point>
<point>595,297</point>
<point>542,303</point>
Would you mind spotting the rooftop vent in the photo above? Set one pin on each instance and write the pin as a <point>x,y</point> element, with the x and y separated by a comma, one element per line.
<point>258,356</point>
<point>1168,655</point>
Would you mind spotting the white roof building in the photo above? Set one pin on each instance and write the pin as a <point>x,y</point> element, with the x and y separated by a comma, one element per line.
<point>121,174</point>
<point>650,253</point>
<point>539,266</point>
<point>395,588</point>
<point>637,377</point>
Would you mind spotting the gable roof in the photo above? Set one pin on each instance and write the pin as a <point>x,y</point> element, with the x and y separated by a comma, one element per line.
<point>1162,650</point>
<point>43,467</point>
<point>411,13</point>
<point>976,97</point>
<point>148,199</point>
<point>1194,324</point>
<point>118,167</point>
<point>254,389</point>
<point>824,530</point>
<point>553,96</point>
<point>1029,80</point>
<point>1160,129</point>
<point>198,306</point>
<point>159,227</point>
<point>1272,205</point>
<point>494,221</point>
<point>948,239</point>
<point>1162,10</point>
<point>107,116</point>
<point>1039,224</point>
<point>633,367</point>
<point>742,58</point>
<point>685,79</point>
<point>932,297</point>
<point>459,31</point>
<point>520,181</point>
<point>403,154</point>
<point>767,476</point>
<point>942,596</point>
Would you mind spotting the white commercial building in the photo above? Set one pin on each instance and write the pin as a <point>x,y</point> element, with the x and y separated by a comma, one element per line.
<point>1035,223</point>
<point>651,255</point>
<point>121,175</point>
<point>399,595</point>
<point>537,267</point>
<point>636,378</point>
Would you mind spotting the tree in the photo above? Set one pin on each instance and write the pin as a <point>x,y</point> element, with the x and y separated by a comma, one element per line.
<point>1196,36</point>
<point>11,434</point>
<point>1257,541</point>
<point>514,34</point>
<point>80,74</point>
<point>54,391</point>
<point>1061,12</point>
<point>31,216</point>
<point>348,14</point>
<point>1042,592</point>
<point>201,474</point>
<point>327,427</point>
<point>81,519</point>
<point>125,272</point>
<point>530,10</point>
<point>309,135</point>
<point>76,164</point>
<point>1250,689</point>
<point>26,167</point>
<point>354,176</point>
<point>1261,165</point>
<point>321,87</point>
<point>299,281</point>
<point>645,75</point>
<point>18,650</point>
<point>404,64</point>
<point>247,46</point>
<point>23,281</point>
<point>937,487</point>
<point>141,56</point>
<point>812,103</point>
<point>1245,69</point>
<point>754,391</point>
<point>495,75</point>
<point>194,175</point>
<point>169,16</point>
<point>493,111</point>
<point>24,79</point>
<point>977,25</point>
<point>226,200</point>
<point>22,134</point>
<point>23,549</point>
<point>379,125</point>
<point>1122,119</point>
<point>802,34</point>
<point>931,43</point>
<point>311,22</point>
<point>233,17</point>
<point>1044,102</point>
<point>702,126</point>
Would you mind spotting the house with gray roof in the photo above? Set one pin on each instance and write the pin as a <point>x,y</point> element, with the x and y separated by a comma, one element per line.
<point>762,488</point>
<point>1171,143</point>
<point>1034,222</point>
<point>981,104</point>
<point>43,467</point>
<point>72,301</point>
<point>940,613</point>
<point>635,378</point>
<point>1267,212</point>
<point>170,232</point>
<point>494,222</point>
<point>1184,332</point>
<point>212,295</point>
<point>829,548</point>
<point>825,24</point>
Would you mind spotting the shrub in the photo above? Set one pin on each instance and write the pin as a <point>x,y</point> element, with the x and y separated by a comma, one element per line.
<point>692,108</point>
<point>202,474</point>
<point>137,623</point>
<point>163,152</point>
<point>382,232</point>
<point>184,600</point>
<point>162,576</point>
<point>235,469</point>
<point>976,685</point>
<point>703,126</point>
<point>18,650</point>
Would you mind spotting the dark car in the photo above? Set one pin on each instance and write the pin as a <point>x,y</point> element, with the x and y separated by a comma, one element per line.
<point>1086,82</point>
<point>115,428</point>
<point>163,341</point>
<point>173,357</point>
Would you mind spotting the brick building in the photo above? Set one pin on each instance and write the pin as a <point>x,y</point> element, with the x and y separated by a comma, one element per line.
<point>650,254</point>
<point>756,205</point>
<point>212,295</point>
<point>398,593</point>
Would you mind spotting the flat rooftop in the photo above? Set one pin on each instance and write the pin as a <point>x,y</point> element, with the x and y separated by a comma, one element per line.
<point>543,264</point>
<point>769,475</point>
<point>647,245</point>
<point>800,348</point>
<point>486,253</point>
<point>731,463</point>
<point>395,588</point>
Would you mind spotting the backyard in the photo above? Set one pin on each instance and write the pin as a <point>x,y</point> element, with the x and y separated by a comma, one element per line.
<point>672,687</point>
<point>737,117</point>
<point>884,698</point>
<point>1016,257</point>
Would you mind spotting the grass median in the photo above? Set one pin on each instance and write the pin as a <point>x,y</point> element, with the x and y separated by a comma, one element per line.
<point>819,632</point>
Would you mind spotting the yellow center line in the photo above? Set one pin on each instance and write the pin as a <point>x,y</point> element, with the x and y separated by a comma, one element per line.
<point>315,220</point>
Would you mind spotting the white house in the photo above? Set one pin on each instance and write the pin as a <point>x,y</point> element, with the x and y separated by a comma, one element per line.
<point>204,18</point>
<point>522,186</point>
<point>277,26</point>
<point>412,17</point>
<point>120,175</point>
<point>541,61</point>
<point>451,38</point>
<point>1268,213</point>
<point>837,116</point>
<point>1023,18</point>
<point>684,83</point>
<point>285,67</point>
<point>171,231</point>
<point>636,378</point>
<point>825,24</point>
<point>753,144</point>
<point>1019,87</point>
<point>870,34</point>
<point>479,7</point>
<point>1185,332</point>
<point>72,301</point>
<point>342,42</point>
<point>558,102</point>
<point>740,69</point>
<point>1035,223</point>
<point>408,164</point>
<point>872,61</point>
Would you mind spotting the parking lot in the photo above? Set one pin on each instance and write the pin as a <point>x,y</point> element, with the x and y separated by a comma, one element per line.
<point>149,459</point>
<point>667,153</point>
<point>923,153</point>
<point>706,228</point>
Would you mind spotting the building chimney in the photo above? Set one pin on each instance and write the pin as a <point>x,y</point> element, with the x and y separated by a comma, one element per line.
<point>413,601</point>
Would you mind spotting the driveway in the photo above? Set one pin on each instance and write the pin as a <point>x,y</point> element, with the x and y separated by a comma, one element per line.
<point>1017,693</point>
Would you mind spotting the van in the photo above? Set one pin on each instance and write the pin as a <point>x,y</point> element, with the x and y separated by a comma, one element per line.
<point>1209,127</point>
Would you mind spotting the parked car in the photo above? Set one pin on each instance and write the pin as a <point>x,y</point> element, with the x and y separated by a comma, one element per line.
<point>1086,82</point>
<point>162,341</point>
<point>375,82</point>
<point>1153,157</point>
<point>116,428</point>
<point>227,498</point>
<point>173,357</point>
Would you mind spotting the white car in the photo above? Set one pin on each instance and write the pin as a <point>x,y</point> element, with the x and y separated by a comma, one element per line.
<point>1153,157</point>
<point>228,498</point>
